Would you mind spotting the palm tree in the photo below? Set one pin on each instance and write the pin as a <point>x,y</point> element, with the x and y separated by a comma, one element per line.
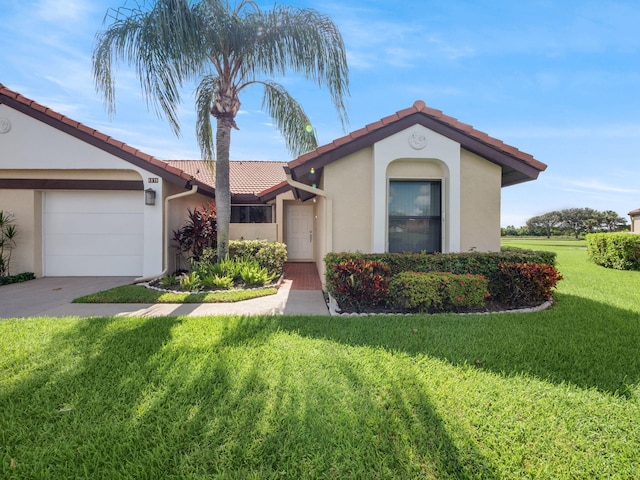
<point>224,50</point>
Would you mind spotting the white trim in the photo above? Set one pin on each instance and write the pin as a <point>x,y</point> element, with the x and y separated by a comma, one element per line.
<point>438,148</point>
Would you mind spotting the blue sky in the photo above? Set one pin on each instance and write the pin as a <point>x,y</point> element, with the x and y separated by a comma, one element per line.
<point>559,79</point>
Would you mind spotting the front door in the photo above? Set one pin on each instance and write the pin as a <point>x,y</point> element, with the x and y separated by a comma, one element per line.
<point>299,232</point>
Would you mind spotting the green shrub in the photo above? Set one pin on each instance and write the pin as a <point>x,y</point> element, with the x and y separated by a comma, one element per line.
<point>358,283</point>
<point>620,251</point>
<point>525,283</point>
<point>437,291</point>
<point>270,255</point>
<point>21,277</point>
<point>415,291</point>
<point>462,292</point>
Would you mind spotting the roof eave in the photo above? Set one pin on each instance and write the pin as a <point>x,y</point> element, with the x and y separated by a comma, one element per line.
<point>514,170</point>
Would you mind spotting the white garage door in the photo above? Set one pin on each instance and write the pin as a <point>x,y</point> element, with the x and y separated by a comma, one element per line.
<point>93,233</point>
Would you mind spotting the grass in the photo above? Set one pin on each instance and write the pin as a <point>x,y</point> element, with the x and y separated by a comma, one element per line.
<point>140,294</point>
<point>553,394</point>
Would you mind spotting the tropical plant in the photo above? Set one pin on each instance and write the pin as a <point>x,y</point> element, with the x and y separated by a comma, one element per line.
<point>225,50</point>
<point>190,281</point>
<point>217,282</point>
<point>198,233</point>
<point>8,234</point>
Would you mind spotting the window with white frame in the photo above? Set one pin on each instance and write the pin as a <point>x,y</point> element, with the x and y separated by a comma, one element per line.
<point>415,216</point>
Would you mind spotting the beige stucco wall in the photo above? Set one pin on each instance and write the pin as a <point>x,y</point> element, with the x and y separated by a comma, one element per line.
<point>635,224</point>
<point>480,204</point>
<point>27,213</point>
<point>348,182</point>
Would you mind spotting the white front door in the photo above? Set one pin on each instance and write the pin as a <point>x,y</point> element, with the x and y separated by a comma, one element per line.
<point>299,232</point>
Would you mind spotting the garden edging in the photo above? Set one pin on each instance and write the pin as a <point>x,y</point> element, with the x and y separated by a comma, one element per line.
<point>334,310</point>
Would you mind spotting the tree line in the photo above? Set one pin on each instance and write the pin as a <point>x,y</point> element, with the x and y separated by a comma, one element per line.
<point>570,221</point>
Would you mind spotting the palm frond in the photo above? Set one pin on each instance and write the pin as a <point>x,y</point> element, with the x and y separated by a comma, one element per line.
<point>290,118</point>
<point>160,43</point>
<point>305,42</point>
<point>204,131</point>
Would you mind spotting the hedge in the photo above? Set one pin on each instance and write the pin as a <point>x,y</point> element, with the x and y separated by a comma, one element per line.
<point>620,251</point>
<point>474,263</point>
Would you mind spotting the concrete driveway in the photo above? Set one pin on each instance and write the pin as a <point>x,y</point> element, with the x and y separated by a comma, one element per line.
<point>52,296</point>
<point>35,297</point>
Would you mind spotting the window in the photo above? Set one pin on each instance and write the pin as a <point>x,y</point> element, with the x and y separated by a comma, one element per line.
<point>415,218</point>
<point>251,214</point>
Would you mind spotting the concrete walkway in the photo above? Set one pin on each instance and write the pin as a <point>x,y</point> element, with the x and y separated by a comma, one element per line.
<point>52,296</point>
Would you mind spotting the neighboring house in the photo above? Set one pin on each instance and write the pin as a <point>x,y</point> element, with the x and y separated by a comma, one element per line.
<point>417,180</point>
<point>635,220</point>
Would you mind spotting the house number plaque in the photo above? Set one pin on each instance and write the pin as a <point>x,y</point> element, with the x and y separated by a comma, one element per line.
<point>153,179</point>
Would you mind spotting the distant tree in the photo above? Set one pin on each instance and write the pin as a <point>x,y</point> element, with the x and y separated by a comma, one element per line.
<point>575,221</point>
<point>511,231</point>
<point>612,222</point>
<point>544,224</point>
<point>578,220</point>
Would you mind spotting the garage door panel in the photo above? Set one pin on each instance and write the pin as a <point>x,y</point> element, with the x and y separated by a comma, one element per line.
<point>105,223</point>
<point>89,233</point>
<point>95,202</point>
<point>85,266</point>
<point>98,245</point>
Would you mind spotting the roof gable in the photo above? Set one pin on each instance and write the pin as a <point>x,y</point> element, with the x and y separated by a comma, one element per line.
<point>517,166</point>
<point>99,140</point>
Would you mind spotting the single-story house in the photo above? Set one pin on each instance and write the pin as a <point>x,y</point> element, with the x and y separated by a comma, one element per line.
<point>634,215</point>
<point>87,204</point>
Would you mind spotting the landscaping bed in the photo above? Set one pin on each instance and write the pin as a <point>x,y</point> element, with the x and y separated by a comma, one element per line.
<point>441,283</point>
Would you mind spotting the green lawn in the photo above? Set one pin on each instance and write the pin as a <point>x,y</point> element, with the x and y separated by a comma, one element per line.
<point>550,395</point>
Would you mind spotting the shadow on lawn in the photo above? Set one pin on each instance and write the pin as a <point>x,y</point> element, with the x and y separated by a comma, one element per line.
<point>242,399</point>
<point>577,341</point>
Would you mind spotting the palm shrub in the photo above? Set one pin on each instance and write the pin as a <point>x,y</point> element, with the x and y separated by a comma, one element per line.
<point>8,234</point>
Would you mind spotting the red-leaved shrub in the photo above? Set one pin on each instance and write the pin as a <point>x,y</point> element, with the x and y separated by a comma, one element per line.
<point>526,283</point>
<point>358,283</point>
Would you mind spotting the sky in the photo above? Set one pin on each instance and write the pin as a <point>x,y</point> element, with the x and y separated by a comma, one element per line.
<point>558,79</point>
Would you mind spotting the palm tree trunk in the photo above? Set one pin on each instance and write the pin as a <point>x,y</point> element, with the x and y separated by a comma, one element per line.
<point>223,192</point>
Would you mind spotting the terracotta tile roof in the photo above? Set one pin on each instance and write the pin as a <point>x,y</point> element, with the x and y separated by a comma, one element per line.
<point>517,166</point>
<point>98,139</point>
<point>247,177</point>
<point>634,212</point>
